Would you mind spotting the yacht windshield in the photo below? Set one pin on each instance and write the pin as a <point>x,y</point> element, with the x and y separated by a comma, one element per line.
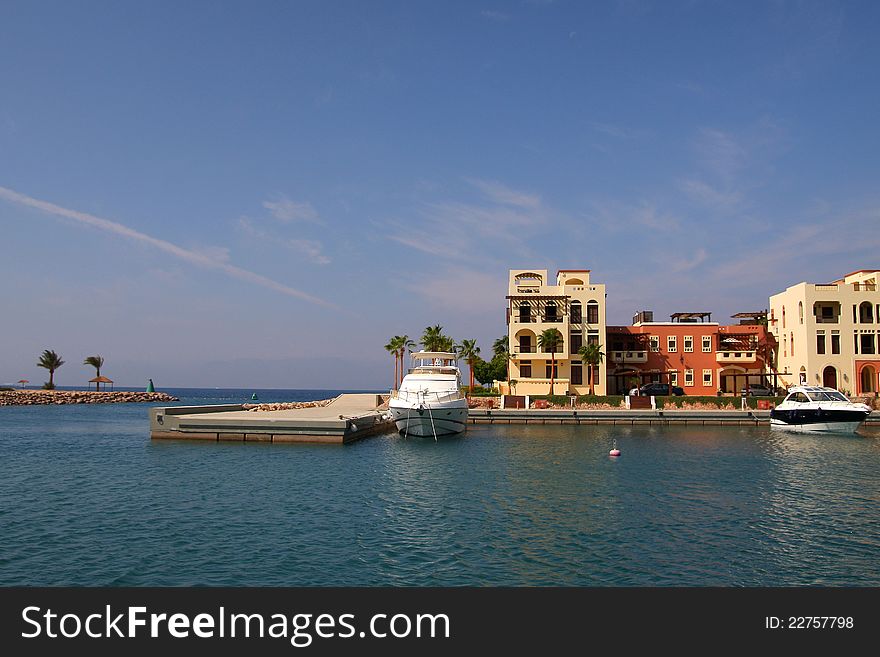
<point>827,396</point>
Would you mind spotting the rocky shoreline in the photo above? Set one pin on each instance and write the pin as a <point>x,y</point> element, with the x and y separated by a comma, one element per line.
<point>48,397</point>
<point>285,406</point>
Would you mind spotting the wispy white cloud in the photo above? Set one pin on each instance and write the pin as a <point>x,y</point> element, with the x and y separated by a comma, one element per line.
<point>615,216</point>
<point>493,15</point>
<point>504,195</point>
<point>612,130</point>
<point>324,97</point>
<point>201,259</point>
<point>215,253</point>
<point>705,194</point>
<point>287,210</point>
<point>456,230</point>
<point>312,249</point>
<point>462,290</point>
<point>691,86</point>
<point>720,152</point>
<point>805,248</point>
<point>686,264</point>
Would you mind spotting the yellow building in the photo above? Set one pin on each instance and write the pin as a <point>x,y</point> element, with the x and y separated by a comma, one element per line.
<point>572,305</point>
<point>829,334</point>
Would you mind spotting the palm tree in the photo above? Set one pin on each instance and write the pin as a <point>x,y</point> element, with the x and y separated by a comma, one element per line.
<point>393,348</point>
<point>469,350</point>
<point>549,342</point>
<point>501,348</point>
<point>97,362</point>
<point>592,355</point>
<point>447,344</point>
<point>403,343</point>
<point>51,361</point>
<point>432,338</point>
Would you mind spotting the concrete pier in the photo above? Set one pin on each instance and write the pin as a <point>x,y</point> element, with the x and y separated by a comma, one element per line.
<point>347,418</point>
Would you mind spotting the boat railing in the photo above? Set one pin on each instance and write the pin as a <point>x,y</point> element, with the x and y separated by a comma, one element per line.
<point>426,395</point>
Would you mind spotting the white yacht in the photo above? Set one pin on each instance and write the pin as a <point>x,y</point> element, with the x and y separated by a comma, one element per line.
<point>813,408</point>
<point>430,402</point>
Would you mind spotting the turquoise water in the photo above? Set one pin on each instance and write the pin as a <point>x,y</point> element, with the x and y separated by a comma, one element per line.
<point>87,499</point>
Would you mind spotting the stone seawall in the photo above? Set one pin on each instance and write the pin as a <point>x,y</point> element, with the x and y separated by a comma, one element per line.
<point>45,397</point>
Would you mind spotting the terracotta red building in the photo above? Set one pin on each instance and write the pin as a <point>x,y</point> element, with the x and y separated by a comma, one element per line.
<point>689,351</point>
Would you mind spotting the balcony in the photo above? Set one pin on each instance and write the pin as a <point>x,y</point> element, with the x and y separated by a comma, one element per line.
<point>541,386</point>
<point>533,352</point>
<point>629,356</point>
<point>736,356</point>
<point>524,319</point>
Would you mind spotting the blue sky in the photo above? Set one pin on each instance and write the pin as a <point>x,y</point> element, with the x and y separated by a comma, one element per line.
<point>261,194</point>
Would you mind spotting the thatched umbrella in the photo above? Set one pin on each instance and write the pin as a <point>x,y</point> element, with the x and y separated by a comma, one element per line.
<point>98,380</point>
<point>23,382</point>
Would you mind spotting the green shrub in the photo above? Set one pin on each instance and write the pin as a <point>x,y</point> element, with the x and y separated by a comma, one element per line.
<point>613,400</point>
<point>48,386</point>
<point>480,391</point>
<point>718,402</point>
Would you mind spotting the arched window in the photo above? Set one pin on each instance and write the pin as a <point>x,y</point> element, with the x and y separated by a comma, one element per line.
<point>783,316</point>
<point>576,315</point>
<point>550,314</point>
<point>592,312</point>
<point>801,311</point>
<point>866,313</point>
<point>792,345</point>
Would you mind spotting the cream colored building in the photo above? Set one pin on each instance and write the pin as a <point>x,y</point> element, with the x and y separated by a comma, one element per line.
<point>830,334</point>
<point>572,305</point>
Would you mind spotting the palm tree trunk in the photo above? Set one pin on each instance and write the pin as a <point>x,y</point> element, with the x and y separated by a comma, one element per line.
<point>591,379</point>
<point>552,370</point>
<point>51,377</point>
<point>402,362</point>
<point>394,386</point>
<point>471,368</point>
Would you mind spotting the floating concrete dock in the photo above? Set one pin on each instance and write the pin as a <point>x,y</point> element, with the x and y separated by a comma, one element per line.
<point>347,418</point>
<point>627,417</point>
<point>617,416</point>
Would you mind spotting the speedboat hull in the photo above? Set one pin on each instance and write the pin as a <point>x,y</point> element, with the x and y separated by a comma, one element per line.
<point>430,420</point>
<point>817,420</point>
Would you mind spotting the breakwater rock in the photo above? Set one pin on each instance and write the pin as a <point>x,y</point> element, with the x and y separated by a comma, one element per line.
<point>46,397</point>
<point>285,406</point>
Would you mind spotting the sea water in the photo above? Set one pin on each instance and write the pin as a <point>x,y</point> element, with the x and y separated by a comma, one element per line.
<point>86,498</point>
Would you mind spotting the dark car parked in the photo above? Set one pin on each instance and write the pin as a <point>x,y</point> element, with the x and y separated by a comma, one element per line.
<point>659,390</point>
<point>757,390</point>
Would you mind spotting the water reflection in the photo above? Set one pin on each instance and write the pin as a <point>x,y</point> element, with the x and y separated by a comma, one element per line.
<point>97,503</point>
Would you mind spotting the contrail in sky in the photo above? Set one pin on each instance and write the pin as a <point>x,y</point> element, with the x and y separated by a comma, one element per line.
<point>188,255</point>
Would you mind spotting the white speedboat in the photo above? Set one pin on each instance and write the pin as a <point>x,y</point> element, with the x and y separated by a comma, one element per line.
<point>813,408</point>
<point>429,402</point>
